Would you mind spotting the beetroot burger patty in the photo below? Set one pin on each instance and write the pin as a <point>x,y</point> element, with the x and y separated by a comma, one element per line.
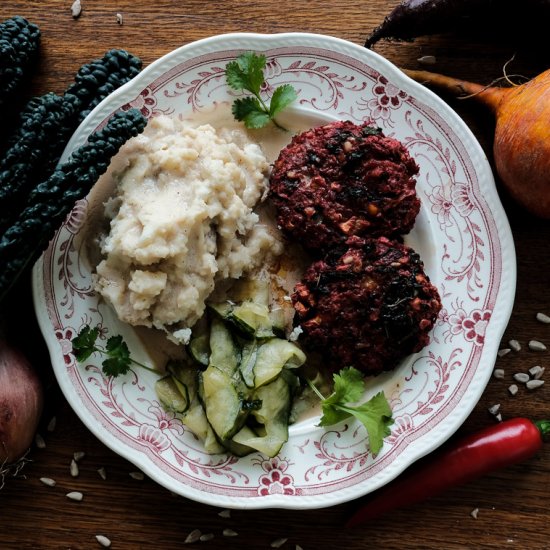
<point>367,304</point>
<point>340,180</point>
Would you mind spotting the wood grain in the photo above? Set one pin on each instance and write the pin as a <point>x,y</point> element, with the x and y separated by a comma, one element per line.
<point>140,514</point>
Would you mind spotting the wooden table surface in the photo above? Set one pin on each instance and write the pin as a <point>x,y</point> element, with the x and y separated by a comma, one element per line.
<point>512,503</point>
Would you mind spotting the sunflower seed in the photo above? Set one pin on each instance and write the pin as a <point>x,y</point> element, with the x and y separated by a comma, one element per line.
<point>193,536</point>
<point>474,513</point>
<point>543,318</point>
<point>76,9</point>
<point>534,384</point>
<point>427,60</point>
<point>515,345</point>
<point>206,537</point>
<point>521,377</point>
<point>74,468</point>
<point>536,372</point>
<point>119,18</point>
<point>498,417</point>
<point>498,373</point>
<point>103,541</point>
<point>277,543</point>
<point>513,389</point>
<point>137,475</point>
<point>48,481</point>
<point>229,533</point>
<point>504,351</point>
<point>535,345</point>
<point>102,473</point>
<point>225,514</point>
<point>494,409</point>
<point>75,495</point>
<point>79,455</point>
<point>51,424</point>
<point>39,441</point>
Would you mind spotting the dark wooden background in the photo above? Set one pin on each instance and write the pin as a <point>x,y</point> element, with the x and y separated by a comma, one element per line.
<point>512,503</point>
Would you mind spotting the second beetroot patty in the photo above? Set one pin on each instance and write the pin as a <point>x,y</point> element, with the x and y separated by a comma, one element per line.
<point>367,304</point>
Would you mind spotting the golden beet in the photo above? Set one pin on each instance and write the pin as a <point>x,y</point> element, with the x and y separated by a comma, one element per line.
<point>521,146</point>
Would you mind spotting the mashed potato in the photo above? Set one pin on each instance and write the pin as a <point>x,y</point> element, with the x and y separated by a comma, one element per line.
<point>182,219</point>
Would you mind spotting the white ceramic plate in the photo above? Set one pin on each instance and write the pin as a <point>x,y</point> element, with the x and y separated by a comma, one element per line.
<point>461,233</point>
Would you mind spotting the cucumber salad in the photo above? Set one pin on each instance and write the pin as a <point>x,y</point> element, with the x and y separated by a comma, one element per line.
<point>236,390</point>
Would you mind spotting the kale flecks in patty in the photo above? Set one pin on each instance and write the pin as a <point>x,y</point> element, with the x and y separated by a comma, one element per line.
<point>367,304</point>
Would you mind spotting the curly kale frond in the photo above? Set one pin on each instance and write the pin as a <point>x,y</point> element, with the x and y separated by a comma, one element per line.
<point>51,201</point>
<point>98,79</point>
<point>19,43</point>
<point>47,123</point>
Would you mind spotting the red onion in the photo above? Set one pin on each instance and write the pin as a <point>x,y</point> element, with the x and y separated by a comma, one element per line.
<point>21,400</point>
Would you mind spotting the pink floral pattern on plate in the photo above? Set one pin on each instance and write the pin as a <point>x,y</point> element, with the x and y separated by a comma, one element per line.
<point>461,234</point>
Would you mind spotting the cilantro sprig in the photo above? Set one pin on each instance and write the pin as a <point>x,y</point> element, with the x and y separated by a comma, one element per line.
<point>117,361</point>
<point>375,414</point>
<point>246,73</point>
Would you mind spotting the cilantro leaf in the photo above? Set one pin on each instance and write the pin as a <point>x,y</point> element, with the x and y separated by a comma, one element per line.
<point>249,111</point>
<point>118,359</point>
<point>348,386</point>
<point>332,415</point>
<point>375,414</point>
<point>246,73</point>
<point>113,366</point>
<point>84,343</point>
<point>282,97</point>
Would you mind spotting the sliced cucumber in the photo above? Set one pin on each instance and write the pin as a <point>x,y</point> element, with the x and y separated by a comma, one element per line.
<point>251,290</point>
<point>185,378</point>
<point>195,419</point>
<point>211,443</point>
<point>277,318</point>
<point>237,445</point>
<point>224,353</point>
<point>171,396</point>
<point>222,403</point>
<point>199,349</point>
<point>248,361</point>
<point>250,318</point>
<point>273,415</point>
<point>272,357</point>
<point>222,309</point>
<point>199,345</point>
<point>241,402</point>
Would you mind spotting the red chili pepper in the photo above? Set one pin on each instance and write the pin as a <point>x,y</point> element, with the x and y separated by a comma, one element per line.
<point>498,446</point>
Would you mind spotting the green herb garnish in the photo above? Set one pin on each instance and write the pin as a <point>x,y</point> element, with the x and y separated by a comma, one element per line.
<point>375,414</point>
<point>246,73</point>
<point>118,359</point>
